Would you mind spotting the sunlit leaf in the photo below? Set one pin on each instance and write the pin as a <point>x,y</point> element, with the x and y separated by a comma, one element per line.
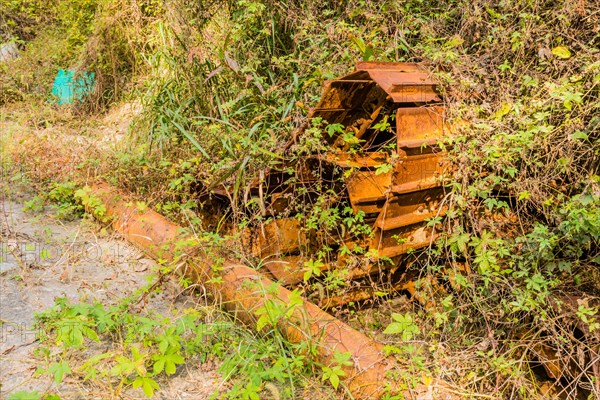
<point>561,52</point>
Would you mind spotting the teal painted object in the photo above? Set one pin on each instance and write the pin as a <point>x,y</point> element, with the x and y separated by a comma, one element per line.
<point>70,86</point>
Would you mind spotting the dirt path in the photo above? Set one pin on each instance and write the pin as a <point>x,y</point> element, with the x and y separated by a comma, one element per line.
<point>44,258</point>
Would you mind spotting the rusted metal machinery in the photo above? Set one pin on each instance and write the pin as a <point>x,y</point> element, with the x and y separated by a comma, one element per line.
<point>381,159</point>
<point>243,292</point>
<point>384,159</point>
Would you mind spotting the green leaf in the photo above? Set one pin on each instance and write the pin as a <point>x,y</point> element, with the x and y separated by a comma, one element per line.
<point>335,381</point>
<point>163,345</point>
<point>579,135</point>
<point>334,128</point>
<point>167,363</point>
<point>394,328</point>
<point>59,370</point>
<point>159,366</point>
<point>169,342</point>
<point>147,384</point>
<point>461,241</point>
<point>343,358</point>
<point>404,325</point>
<point>383,168</point>
<point>511,171</point>
<point>90,333</point>
<point>171,363</point>
<point>23,395</point>
<point>454,42</point>
<point>502,111</point>
<point>170,368</point>
<point>262,321</point>
<point>493,13</point>
<point>561,52</point>
<point>524,195</point>
<point>124,366</point>
<point>312,267</point>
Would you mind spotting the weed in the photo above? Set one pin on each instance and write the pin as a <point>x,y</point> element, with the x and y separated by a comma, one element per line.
<point>34,395</point>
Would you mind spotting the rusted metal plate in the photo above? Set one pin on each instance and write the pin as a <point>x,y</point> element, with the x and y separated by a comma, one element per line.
<point>287,270</point>
<point>373,267</point>
<point>365,187</point>
<point>336,115</point>
<point>279,203</point>
<point>370,208</point>
<point>419,125</point>
<point>279,236</point>
<point>352,295</point>
<point>414,173</point>
<point>422,289</point>
<point>424,145</point>
<point>414,92</point>
<point>362,160</point>
<point>349,96</point>
<point>385,66</point>
<point>364,90</point>
<point>418,173</point>
<point>406,87</point>
<point>410,208</point>
<point>399,241</point>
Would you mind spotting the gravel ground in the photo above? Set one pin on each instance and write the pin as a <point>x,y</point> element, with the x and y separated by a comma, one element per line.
<point>43,258</point>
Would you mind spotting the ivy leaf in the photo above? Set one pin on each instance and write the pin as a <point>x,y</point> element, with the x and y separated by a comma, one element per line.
<point>159,366</point>
<point>393,328</point>
<point>71,331</point>
<point>461,242</point>
<point>90,333</point>
<point>454,42</point>
<point>169,341</point>
<point>312,267</point>
<point>383,169</point>
<point>561,52</point>
<point>124,366</point>
<point>343,358</point>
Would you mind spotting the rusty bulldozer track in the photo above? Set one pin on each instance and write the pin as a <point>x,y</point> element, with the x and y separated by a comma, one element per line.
<point>389,172</point>
<point>395,202</point>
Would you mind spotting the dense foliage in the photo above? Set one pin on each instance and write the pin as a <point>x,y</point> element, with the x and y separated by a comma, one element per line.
<point>224,83</point>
